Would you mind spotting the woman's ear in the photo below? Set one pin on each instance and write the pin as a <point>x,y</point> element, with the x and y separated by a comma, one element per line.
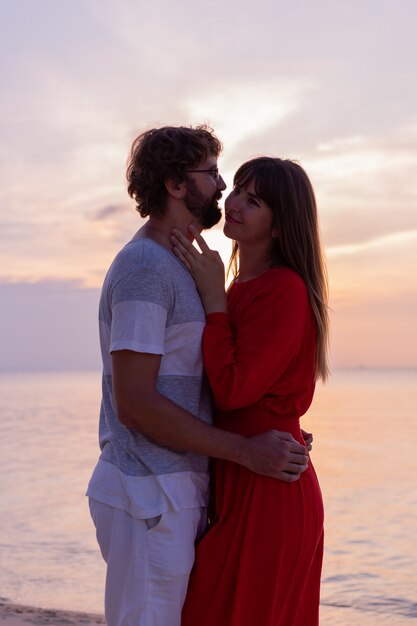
<point>274,233</point>
<point>176,188</point>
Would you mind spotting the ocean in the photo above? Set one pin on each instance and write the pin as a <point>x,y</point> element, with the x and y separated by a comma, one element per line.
<point>365,437</point>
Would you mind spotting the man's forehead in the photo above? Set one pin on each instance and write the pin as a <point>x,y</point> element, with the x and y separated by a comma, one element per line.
<point>211,161</point>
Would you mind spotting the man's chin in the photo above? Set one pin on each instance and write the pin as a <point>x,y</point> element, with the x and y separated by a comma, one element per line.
<point>211,219</point>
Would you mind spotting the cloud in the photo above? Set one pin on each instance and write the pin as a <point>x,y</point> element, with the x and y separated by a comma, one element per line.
<point>48,325</point>
<point>109,212</point>
<point>391,240</point>
<point>80,80</point>
<point>365,185</point>
<point>361,274</point>
<point>239,111</point>
<point>77,247</point>
<point>380,333</point>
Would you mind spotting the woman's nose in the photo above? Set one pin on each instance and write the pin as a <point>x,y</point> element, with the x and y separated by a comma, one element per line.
<point>233,201</point>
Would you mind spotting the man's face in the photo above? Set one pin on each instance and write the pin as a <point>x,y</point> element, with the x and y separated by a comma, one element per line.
<point>204,189</point>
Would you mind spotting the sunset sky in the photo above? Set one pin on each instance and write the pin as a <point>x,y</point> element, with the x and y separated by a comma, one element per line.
<point>331,84</point>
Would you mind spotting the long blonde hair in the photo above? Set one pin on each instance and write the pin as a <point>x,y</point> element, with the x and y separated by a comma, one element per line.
<point>285,187</point>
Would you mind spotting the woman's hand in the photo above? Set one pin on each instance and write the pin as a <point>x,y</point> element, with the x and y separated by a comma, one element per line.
<point>308,439</point>
<point>206,267</point>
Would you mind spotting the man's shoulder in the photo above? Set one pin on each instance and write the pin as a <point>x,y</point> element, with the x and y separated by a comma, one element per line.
<point>146,255</point>
<point>144,270</point>
<point>139,253</point>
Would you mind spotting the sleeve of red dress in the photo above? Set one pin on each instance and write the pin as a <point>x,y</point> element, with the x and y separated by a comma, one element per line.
<point>242,366</point>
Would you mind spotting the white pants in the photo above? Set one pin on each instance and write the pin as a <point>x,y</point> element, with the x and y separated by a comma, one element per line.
<point>148,563</point>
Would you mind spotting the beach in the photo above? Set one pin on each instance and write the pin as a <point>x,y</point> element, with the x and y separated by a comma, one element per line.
<point>20,615</point>
<point>365,428</point>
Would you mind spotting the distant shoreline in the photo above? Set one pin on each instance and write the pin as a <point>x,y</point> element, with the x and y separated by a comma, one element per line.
<point>98,372</point>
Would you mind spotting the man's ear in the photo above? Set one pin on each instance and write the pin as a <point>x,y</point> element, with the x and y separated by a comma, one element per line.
<point>176,188</point>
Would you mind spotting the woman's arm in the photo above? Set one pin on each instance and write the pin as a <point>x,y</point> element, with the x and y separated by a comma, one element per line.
<point>242,364</point>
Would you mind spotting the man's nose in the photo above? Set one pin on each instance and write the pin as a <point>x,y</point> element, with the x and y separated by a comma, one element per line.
<point>221,185</point>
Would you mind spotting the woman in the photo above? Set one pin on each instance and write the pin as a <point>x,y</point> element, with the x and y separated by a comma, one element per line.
<point>260,563</point>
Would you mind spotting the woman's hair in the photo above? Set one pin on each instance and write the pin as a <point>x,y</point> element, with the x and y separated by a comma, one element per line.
<point>162,153</point>
<point>285,187</point>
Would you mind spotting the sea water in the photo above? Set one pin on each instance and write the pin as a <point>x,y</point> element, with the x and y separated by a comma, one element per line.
<point>365,437</point>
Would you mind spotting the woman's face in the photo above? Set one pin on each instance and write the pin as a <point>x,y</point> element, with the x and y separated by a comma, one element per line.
<point>247,217</point>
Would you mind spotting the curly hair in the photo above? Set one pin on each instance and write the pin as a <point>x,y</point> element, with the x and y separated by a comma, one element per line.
<point>162,153</point>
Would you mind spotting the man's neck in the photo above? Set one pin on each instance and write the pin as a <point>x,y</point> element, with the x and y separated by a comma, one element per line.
<point>160,229</point>
<point>155,230</point>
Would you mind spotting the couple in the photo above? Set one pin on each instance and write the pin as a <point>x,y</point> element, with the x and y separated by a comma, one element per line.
<point>264,346</point>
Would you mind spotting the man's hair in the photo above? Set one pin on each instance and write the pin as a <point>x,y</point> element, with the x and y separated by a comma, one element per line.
<point>162,153</point>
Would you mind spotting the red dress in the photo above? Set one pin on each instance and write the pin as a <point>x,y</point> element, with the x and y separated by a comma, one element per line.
<point>260,564</point>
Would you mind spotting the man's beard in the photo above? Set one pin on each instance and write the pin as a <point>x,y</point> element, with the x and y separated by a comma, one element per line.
<point>205,209</point>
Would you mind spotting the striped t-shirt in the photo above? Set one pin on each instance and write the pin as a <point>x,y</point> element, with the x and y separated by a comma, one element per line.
<point>149,303</point>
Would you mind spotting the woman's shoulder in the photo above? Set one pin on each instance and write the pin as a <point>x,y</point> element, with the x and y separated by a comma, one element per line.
<point>276,285</point>
<point>285,278</point>
<point>284,287</point>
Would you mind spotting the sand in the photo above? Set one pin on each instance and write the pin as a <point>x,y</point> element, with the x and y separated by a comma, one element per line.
<point>19,615</point>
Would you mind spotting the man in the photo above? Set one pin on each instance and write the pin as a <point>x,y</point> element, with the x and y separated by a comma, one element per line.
<point>148,492</point>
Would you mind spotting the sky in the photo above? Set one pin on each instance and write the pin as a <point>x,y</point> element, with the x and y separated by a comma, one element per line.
<point>330,84</point>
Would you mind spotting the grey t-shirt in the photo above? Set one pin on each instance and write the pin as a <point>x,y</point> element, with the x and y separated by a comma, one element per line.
<point>149,303</point>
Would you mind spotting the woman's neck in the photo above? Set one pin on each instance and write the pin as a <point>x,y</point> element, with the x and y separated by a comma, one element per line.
<point>252,263</point>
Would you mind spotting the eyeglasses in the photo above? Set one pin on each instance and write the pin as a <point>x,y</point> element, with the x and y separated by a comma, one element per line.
<point>213,171</point>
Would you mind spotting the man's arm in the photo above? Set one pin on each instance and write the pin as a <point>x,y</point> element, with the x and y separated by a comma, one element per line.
<point>140,406</point>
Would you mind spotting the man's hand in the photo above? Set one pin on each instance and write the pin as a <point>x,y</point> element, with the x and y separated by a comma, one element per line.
<point>276,454</point>
<point>141,407</point>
